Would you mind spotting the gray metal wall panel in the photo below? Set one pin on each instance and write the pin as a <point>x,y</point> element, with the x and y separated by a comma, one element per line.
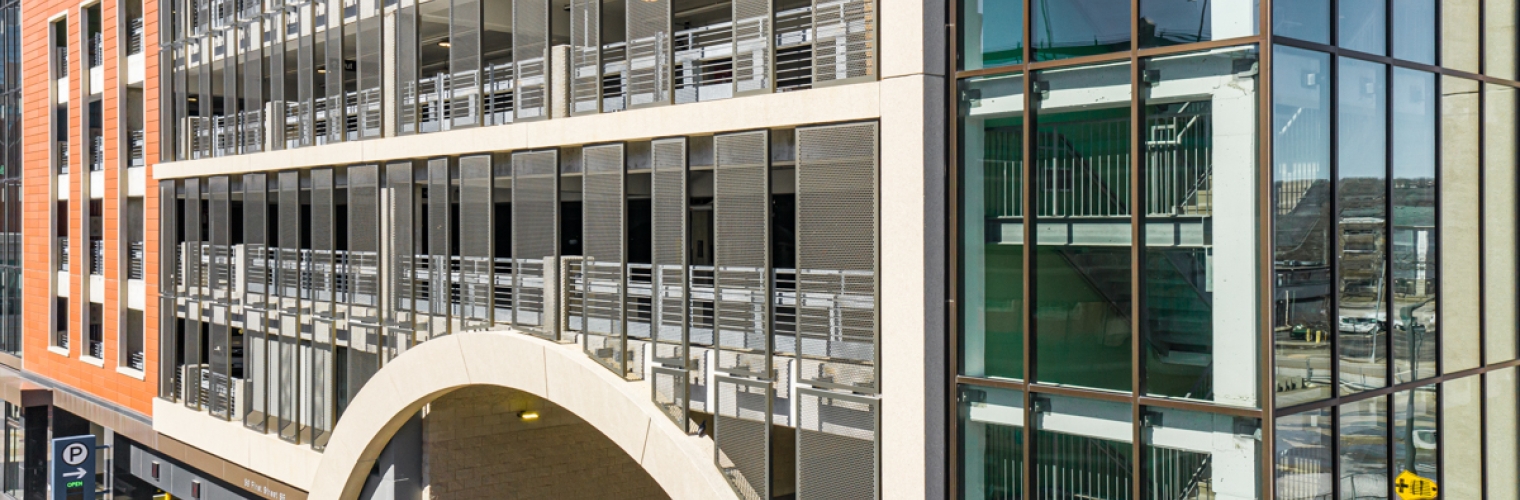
<point>440,266</point>
<point>535,236</point>
<point>406,92</point>
<point>402,260</point>
<point>276,58</point>
<point>670,203</point>
<point>370,101</point>
<point>193,241</point>
<point>464,62</point>
<point>530,54</point>
<point>650,45</point>
<point>741,223</point>
<point>255,300</point>
<point>604,278</point>
<point>585,56</point>
<point>168,270</point>
<point>837,255</point>
<point>844,41</point>
<point>742,435</point>
<point>333,63</point>
<point>752,24</point>
<point>670,393</point>
<point>475,250</point>
<point>838,445</point>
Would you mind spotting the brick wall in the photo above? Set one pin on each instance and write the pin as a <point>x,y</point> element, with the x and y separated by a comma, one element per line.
<point>476,446</point>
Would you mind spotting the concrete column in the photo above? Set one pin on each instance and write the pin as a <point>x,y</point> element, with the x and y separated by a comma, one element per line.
<point>1233,261</point>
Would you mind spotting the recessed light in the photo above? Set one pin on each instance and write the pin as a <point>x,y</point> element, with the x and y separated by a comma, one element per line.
<point>527,416</point>
<point>444,43</point>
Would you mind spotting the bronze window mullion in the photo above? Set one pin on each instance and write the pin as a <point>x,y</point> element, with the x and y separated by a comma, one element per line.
<point>953,245</point>
<point>1136,258</point>
<point>1030,202</point>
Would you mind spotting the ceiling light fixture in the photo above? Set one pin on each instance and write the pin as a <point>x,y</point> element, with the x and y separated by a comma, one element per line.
<point>527,416</point>
<point>444,43</point>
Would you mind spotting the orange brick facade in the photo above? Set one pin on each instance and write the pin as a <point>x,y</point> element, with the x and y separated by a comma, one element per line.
<point>106,381</point>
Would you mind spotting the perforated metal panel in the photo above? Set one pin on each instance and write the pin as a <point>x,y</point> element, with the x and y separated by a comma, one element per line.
<point>194,242</point>
<point>370,101</point>
<point>362,271</point>
<point>306,74</point>
<point>252,55</point>
<point>741,223</point>
<point>168,272</point>
<point>844,44</point>
<point>406,92</point>
<point>475,232</point>
<point>333,107</point>
<point>440,264</point>
<point>837,255</point>
<point>322,278</point>
<point>219,352</point>
<point>276,59</point>
<point>742,434</point>
<point>585,56</point>
<point>530,54</point>
<point>649,52</point>
<point>289,252</point>
<point>603,283</point>
<point>838,445</point>
<point>464,63</point>
<point>400,188</point>
<point>669,213</point>
<point>752,46</point>
<point>255,300</point>
<point>669,392</point>
<point>288,387</point>
<point>535,236</point>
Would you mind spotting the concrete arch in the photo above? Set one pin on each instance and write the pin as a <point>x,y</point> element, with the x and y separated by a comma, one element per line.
<point>621,410</point>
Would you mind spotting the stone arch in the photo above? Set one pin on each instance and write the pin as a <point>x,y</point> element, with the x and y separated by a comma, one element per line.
<point>620,410</point>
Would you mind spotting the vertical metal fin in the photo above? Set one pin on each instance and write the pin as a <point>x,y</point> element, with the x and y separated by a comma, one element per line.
<point>255,300</point>
<point>742,434</point>
<point>441,265</point>
<point>669,214</point>
<point>585,56</point>
<point>219,223</point>
<point>407,95</point>
<point>838,445</point>
<point>464,63</point>
<point>475,230</point>
<point>649,46</point>
<point>530,53</point>
<point>603,276</point>
<point>362,275</point>
<point>741,221</point>
<point>535,237</point>
<point>752,23</point>
<point>401,305</point>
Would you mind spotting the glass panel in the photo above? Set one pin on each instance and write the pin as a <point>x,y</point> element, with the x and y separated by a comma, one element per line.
<point>1363,25</point>
<point>991,443</point>
<point>992,208</point>
<point>1461,438</point>
<point>1414,431</point>
<point>1304,458</point>
<point>1414,30</point>
<point>1414,225</point>
<point>1075,28</point>
<point>1082,448</point>
<point>1460,34</point>
<point>1083,261</point>
<point>1361,224</point>
<point>1499,38</point>
<point>992,33</point>
<point>1200,120</point>
<point>1302,19</point>
<point>1499,219</point>
<point>1301,222</point>
<point>1194,456</point>
<point>1499,425</point>
<point>1173,22</point>
<point>1461,250</point>
<point>1364,449</point>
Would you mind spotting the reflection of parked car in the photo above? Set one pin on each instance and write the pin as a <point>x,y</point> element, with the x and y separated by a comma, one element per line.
<point>1425,439</point>
<point>1360,325</point>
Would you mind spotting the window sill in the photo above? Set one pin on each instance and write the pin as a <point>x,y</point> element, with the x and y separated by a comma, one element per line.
<point>101,363</point>
<point>132,372</point>
<point>58,350</point>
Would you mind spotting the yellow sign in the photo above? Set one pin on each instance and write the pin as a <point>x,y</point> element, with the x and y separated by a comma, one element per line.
<point>1411,486</point>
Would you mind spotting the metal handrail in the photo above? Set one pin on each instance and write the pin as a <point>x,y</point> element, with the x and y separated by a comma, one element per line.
<point>134,36</point>
<point>97,257</point>
<point>136,255</point>
<point>63,253</point>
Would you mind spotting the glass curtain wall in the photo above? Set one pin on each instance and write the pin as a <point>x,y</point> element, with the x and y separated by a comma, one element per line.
<point>1107,215</point>
<point>1394,201</point>
<point>10,177</point>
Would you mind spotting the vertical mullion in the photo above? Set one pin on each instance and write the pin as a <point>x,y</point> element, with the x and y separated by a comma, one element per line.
<point>1266,365</point>
<point>1030,205</point>
<point>1137,183</point>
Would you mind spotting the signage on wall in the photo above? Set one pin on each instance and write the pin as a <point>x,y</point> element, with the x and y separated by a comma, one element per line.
<point>1411,486</point>
<point>71,473</point>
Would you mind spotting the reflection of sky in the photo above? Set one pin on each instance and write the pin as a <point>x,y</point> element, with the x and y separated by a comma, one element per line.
<point>1363,119</point>
<point>1003,23</point>
<point>1414,127</point>
<point>1068,23</point>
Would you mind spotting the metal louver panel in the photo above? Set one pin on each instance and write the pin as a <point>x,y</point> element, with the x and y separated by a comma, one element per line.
<point>252,55</point>
<point>361,269</point>
<point>369,101</point>
<point>227,137</point>
<point>741,223</point>
<point>837,255</point>
<point>649,52</point>
<point>401,273</point>
<point>168,272</point>
<point>585,56</point>
<point>255,300</point>
<point>752,46</point>
<point>742,434</point>
<point>535,238</point>
<point>219,224</point>
<point>321,257</point>
<point>838,445</point>
<point>464,63</point>
<point>475,223</point>
<point>218,351</point>
<point>603,283</point>
<point>290,324</point>
<point>669,392</point>
<point>334,109</point>
<point>669,214</point>
<point>306,72</point>
<point>193,242</point>
<point>844,43</point>
<point>440,266</point>
<point>530,53</point>
<point>276,23</point>
<point>408,99</point>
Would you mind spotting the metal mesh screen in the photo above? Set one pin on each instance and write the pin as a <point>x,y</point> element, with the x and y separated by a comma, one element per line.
<point>530,53</point>
<point>649,52</point>
<point>289,273</point>
<point>252,55</point>
<point>669,206</point>
<point>306,68</point>
<point>218,224</point>
<point>288,387</point>
<point>169,246</point>
<point>669,392</point>
<point>535,235</point>
<point>406,91</point>
<point>361,263</point>
<point>332,109</point>
<point>475,223</point>
<point>752,46</point>
<point>370,100</point>
<point>838,451</point>
<point>741,223</point>
<point>193,241</point>
<point>844,43</point>
<point>403,255</point>
<point>837,255</point>
<point>464,63</point>
<point>441,263</point>
<point>602,279</point>
<point>742,434</point>
<point>585,56</point>
<point>255,299</point>
<point>276,58</point>
<point>320,270</point>
<point>218,388</point>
